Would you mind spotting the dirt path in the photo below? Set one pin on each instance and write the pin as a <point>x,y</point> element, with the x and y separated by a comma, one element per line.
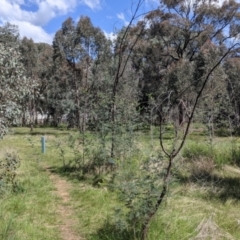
<point>64,209</point>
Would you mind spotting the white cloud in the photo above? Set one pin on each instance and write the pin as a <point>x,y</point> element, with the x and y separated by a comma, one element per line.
<point>110,35</point>
<point>31,22</point>
<point>47,10</point>
<point>121,16</point>
<point>37,33</point>
<point>62,6</point>
<point>93,4</point>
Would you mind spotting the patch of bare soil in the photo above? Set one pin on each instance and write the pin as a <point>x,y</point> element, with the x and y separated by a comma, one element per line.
<point>64,209</point>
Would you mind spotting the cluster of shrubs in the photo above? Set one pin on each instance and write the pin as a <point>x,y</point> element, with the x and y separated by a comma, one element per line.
<point>8,166</point>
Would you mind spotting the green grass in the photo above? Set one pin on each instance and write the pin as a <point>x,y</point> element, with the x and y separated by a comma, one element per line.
<point>28,213</point>
<point>191,204</point>
<point>221,150</point>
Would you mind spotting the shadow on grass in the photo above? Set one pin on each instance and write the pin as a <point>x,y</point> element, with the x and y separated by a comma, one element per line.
<point>91,172</point>
<point>223,188</point>
<point>71,173</point>
<point>111,232</point>
<point>218,187</point>
<point>40,133</point>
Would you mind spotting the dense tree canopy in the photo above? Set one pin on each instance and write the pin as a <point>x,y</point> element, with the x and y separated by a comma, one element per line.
<point>169,52</point>
<point>159,64</point>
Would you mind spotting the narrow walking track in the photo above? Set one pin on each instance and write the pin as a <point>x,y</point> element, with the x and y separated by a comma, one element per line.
<point>64,210</point>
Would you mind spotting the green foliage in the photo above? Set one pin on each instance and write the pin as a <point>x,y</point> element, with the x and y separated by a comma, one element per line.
<point>197,150</point>
<point>234,155</point>
<point>217,154</point>
<point>71,144</point>
<point>9,34</point>
<point>83,155</point>
<point>8,167</point>
<point>81,52</point>
<point>138,191</point>
<point>100,160</point>
<point>222,132</point>
<point>14,86</point>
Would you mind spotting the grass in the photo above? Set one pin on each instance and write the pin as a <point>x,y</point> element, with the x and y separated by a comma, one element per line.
<point>222,150</point>
<point>95,207</point>
<point>192,208</point>
<point>28,213</point>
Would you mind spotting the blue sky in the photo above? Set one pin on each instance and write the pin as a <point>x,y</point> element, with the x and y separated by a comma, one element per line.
<point>40,19</point>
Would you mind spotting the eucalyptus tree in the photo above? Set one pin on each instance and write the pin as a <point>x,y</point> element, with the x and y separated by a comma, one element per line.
<point>29,59</point>
<point>65,91</point>
<point>95,52</point>
<point>14,86</point>
<point>9,33</point>
<point>214,107</point>
<point>232,70</point>
<point>81,48</point>
<point>44,73</point>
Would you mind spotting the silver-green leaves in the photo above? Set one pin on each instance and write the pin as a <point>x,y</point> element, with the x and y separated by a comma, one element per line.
<point>14,86</point>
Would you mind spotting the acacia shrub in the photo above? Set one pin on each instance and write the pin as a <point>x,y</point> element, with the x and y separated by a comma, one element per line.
<point>8,166</point>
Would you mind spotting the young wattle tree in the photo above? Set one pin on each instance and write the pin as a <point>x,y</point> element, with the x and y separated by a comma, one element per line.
<point>124,45</point>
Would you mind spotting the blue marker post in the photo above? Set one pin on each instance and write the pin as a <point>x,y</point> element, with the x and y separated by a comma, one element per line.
<point>43,141</point>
